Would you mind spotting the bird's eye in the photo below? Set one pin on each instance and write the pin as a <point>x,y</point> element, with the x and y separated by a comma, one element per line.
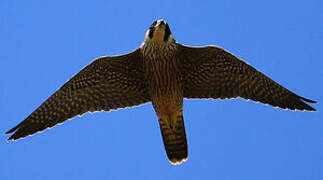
<point>162,22</point>
<point>153,24</point>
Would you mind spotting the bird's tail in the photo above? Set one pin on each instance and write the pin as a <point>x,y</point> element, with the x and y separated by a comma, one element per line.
<point>174,137</point>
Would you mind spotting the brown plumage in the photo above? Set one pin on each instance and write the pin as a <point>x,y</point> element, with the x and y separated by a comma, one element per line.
<point>165,83</point>
<point>107,83</point>
<point>163,72</point>
<point>212,72</point>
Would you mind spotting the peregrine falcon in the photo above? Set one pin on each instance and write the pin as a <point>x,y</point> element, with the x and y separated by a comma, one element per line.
<point>164,72</point>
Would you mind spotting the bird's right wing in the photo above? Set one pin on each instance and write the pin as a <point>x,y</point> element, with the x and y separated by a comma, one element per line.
<point>109,82</point>
<point>211,72</point>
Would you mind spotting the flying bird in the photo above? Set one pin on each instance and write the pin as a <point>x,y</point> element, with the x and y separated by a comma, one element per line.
<point>164,72</point>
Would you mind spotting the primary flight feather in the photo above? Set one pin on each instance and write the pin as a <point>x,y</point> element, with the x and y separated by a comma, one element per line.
<point>164,72</point>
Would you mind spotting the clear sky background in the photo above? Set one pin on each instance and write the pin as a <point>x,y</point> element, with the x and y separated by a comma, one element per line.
<point>44,43</point>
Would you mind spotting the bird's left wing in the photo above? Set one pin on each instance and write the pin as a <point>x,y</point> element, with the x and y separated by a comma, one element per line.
<point>211,72</point>
<point>109,82</point>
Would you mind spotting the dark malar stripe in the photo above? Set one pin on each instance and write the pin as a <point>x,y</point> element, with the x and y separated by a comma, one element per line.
<point>167,33</point>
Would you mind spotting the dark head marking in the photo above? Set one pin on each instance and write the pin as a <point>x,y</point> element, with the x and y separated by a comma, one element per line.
<point>167,32</point>
<point>152,29</point>
<point>161,23</point>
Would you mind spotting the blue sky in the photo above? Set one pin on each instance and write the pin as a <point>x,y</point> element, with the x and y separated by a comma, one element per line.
<point>44,43</point>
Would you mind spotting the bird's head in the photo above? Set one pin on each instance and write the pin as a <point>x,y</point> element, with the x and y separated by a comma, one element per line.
<point>159,32</point>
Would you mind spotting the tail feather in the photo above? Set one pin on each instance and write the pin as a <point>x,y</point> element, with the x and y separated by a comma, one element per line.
<point>174,137</point>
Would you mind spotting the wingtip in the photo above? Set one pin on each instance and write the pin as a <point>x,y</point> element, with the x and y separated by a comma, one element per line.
<point>308,107</point>
<point>11,130</point>
<point>311,109</point>
<point>308,100</point>
<point>16,136</point>
<point>12,137</point>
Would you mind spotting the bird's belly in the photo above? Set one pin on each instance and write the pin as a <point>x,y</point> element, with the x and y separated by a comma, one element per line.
<point>165,85</point>
<point>167,94</point>
<point>167,104</point>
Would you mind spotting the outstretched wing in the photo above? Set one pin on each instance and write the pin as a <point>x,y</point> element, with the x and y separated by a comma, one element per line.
<point>211,72</point>
<point>109,82</point>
